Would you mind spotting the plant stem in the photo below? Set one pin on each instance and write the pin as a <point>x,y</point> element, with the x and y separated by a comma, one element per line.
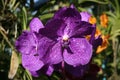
<point>114,42</point>
<point>6,38</point>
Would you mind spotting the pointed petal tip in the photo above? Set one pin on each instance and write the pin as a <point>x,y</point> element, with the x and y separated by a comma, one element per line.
<point>72,6</point>
<point>35,24</point>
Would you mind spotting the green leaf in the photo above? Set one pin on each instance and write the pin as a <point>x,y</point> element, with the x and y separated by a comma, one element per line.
<point>12,3</point>
<point>96,1</point>
<point>29,77</point>
<point>46,16</point>
<point>116,26</point>
<point>24,18</point>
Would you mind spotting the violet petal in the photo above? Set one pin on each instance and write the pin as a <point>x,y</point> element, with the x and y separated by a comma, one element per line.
<point>70,16</point>
<point>49,71</point>
<point>84,28</point>
<point>53,29</point>
<point>31,62</point>
<point>25,43</point>
<point>35,25</point>
<point>82,52</point>
<point>55,54</point>
<point>85,16</point>
<point>65,12</point>
<point>44,44</point>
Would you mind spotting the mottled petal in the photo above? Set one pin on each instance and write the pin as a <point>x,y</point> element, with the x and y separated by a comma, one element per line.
<point>70,16</point>
<point>44,44</point>
<point>55,54</point>
<point>65,12</point>
<point>81,52</point>
<point>25,43</point>
<point>85,16</point>
<point>84,28</point>
<point>53,29</point>
<point>72,23</point>
<point>32,62</point>
<point>35,25</point>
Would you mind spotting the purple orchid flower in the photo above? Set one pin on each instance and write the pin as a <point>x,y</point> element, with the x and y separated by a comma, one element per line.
<point>68,33</point>
<point>32,47</point>
<point>62,40</point>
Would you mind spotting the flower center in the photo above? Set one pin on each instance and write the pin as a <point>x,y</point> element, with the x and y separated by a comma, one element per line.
<point>65,37</point>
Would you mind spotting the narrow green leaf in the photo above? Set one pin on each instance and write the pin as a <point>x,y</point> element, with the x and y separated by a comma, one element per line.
<point>24,19</point>
<point>29,77</point>
<point>46,16</point>
<point>96,1</point>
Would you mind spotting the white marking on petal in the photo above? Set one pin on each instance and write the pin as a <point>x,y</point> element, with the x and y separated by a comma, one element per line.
<point>65,37</point>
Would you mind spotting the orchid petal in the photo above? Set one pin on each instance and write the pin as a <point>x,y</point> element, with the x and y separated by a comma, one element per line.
<point>53,29</point>
<point>25,43</point>
<point>32,62</point>
<point>81,52</point>
<point>84,28</point>
<point>85,16</point>
<point>35,25</point>
<point>55,55</point>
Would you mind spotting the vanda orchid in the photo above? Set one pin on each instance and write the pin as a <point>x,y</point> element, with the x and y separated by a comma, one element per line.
<point>61,41</point>
<point>31,45</point>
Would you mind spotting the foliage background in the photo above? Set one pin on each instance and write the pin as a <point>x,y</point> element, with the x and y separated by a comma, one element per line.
<point>15,16</point>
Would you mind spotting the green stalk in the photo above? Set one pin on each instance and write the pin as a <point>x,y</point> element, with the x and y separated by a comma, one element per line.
<point>117,8</point>
<point>6,38</point>
<point>114,54</point>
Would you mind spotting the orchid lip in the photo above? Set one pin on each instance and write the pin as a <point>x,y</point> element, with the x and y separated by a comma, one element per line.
<point>65,40</point>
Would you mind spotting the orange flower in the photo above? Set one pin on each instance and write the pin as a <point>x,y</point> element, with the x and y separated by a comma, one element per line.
<point>104,44</point>
<point>104,20</point>
<point>92,20</point>
<point>97,33</point>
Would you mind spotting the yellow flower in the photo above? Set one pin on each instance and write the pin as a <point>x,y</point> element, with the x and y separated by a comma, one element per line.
<point>104,20</point>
